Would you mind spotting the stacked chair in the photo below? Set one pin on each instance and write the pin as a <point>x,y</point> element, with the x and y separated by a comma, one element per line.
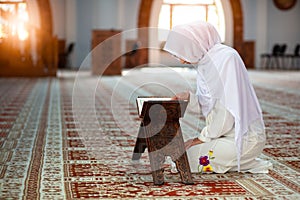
<point>271,60</point>
<point>294,59</point>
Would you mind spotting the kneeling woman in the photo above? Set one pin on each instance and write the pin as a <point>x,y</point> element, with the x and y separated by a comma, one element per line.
<point>234,135</point>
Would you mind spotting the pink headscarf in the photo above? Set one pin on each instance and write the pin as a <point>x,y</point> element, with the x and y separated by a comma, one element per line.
<point>191,42</point>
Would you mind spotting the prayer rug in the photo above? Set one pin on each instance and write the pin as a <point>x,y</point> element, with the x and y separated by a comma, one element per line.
<point>72,137</point>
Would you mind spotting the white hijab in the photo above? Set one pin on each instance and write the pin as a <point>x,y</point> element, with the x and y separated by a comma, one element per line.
<point>221,75</point>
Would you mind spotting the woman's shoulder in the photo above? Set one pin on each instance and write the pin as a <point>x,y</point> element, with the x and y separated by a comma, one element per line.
<point>224,51</point>
<point>228,49</point>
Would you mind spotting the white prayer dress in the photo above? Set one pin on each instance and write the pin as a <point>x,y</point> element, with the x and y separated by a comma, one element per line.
<point>234,135</point>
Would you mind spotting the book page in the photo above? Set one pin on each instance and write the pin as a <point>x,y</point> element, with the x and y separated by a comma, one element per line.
<point>140,101</point>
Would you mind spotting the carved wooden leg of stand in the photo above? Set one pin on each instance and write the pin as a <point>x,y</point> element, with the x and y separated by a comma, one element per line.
<point>179,156</point>
<point>140,144</point>
<point>156,160</point>
<point>183,167</point>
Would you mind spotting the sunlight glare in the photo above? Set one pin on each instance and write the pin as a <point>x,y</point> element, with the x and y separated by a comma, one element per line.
<point>186,14</point>
<point>16,23</point>
<point>185,11</point>
<point>22,19</point>
<point>22,32</point>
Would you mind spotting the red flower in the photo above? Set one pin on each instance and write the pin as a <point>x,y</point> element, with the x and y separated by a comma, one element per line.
<point>203,160</point>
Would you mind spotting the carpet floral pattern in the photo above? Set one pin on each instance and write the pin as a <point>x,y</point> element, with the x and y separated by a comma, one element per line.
<point>72,137</point>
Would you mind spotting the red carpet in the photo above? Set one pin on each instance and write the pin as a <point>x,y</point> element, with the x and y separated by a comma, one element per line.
<point>72,138</point>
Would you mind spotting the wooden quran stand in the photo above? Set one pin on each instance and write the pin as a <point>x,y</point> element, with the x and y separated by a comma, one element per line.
<point>160,132</point>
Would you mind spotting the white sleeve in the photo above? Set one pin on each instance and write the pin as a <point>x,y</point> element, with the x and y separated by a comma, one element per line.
<point>218,123</point>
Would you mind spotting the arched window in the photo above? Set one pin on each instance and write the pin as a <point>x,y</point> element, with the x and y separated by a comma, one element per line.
<point>175,12</point>
<point>13,19</point>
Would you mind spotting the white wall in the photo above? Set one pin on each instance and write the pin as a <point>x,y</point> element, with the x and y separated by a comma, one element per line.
<point>283,26</point>
<point>102,14</point>
<point>84,20</point>
<point>105,14</point>
<point>267,25</point>
<point>74,20</point>
<point>250,20</point>
<point>58,19</point>
<point>70,28</point>
<point>129,13</point>
<point>261,31</point>
<point>263,22</point>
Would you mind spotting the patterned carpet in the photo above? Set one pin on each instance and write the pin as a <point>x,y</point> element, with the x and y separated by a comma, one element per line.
<point>72,137</point>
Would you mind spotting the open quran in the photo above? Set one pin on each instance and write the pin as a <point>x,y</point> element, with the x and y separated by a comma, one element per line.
<point>151,100</point>
<point>140,101</point>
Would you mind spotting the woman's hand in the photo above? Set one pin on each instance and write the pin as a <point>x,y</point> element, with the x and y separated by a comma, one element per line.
<point>192,142</point>
<point>182,96</point>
